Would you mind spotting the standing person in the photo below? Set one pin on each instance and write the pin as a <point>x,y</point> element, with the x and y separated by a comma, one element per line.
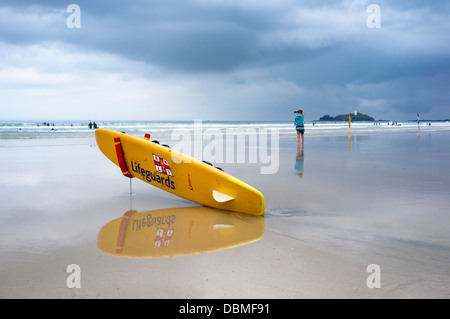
<point>300,125</point>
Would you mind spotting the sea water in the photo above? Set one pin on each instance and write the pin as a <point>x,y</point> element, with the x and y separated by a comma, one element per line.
<point>163,129</point>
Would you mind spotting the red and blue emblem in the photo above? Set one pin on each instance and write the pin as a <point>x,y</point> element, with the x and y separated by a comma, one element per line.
<point>162,165</point>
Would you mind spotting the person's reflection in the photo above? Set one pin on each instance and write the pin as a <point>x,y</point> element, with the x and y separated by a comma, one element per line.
<point>299,159</point>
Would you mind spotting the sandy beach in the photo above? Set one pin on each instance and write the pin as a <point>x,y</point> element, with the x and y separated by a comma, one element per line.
<point>361,210</point>
<point>363,199</point>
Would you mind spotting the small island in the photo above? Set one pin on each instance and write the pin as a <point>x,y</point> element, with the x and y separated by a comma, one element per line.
<point>344,117</point>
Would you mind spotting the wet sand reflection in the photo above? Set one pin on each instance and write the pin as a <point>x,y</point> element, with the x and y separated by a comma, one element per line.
<point>178,231</point>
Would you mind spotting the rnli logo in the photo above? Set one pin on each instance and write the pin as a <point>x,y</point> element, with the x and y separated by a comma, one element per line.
<point>162,165</point>
<point>163,238</point>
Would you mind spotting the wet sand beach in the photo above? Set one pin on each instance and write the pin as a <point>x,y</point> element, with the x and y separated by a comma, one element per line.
<point>363,199</point>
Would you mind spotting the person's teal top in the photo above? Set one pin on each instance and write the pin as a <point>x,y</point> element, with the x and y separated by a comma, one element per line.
<point>299,120</point>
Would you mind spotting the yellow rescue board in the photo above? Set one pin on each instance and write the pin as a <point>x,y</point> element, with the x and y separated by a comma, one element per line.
<point>179,174</point>
<point>178,231</point>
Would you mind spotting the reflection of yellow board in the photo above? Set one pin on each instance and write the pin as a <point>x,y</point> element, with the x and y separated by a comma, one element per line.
<point>178,231</point>
<point>178,173</point>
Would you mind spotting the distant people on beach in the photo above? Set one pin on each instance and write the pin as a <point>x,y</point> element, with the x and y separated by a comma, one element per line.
<point>92,125</point>
<point>299,122</point>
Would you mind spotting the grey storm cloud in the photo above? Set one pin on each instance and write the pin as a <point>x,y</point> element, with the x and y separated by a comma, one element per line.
<point>176,34</point>
<point>323,47</point>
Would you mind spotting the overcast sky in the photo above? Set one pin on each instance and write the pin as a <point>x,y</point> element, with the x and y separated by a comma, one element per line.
<point>223,59</point>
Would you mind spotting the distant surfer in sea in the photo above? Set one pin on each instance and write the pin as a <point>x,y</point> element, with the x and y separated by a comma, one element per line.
<point>300,125</point>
